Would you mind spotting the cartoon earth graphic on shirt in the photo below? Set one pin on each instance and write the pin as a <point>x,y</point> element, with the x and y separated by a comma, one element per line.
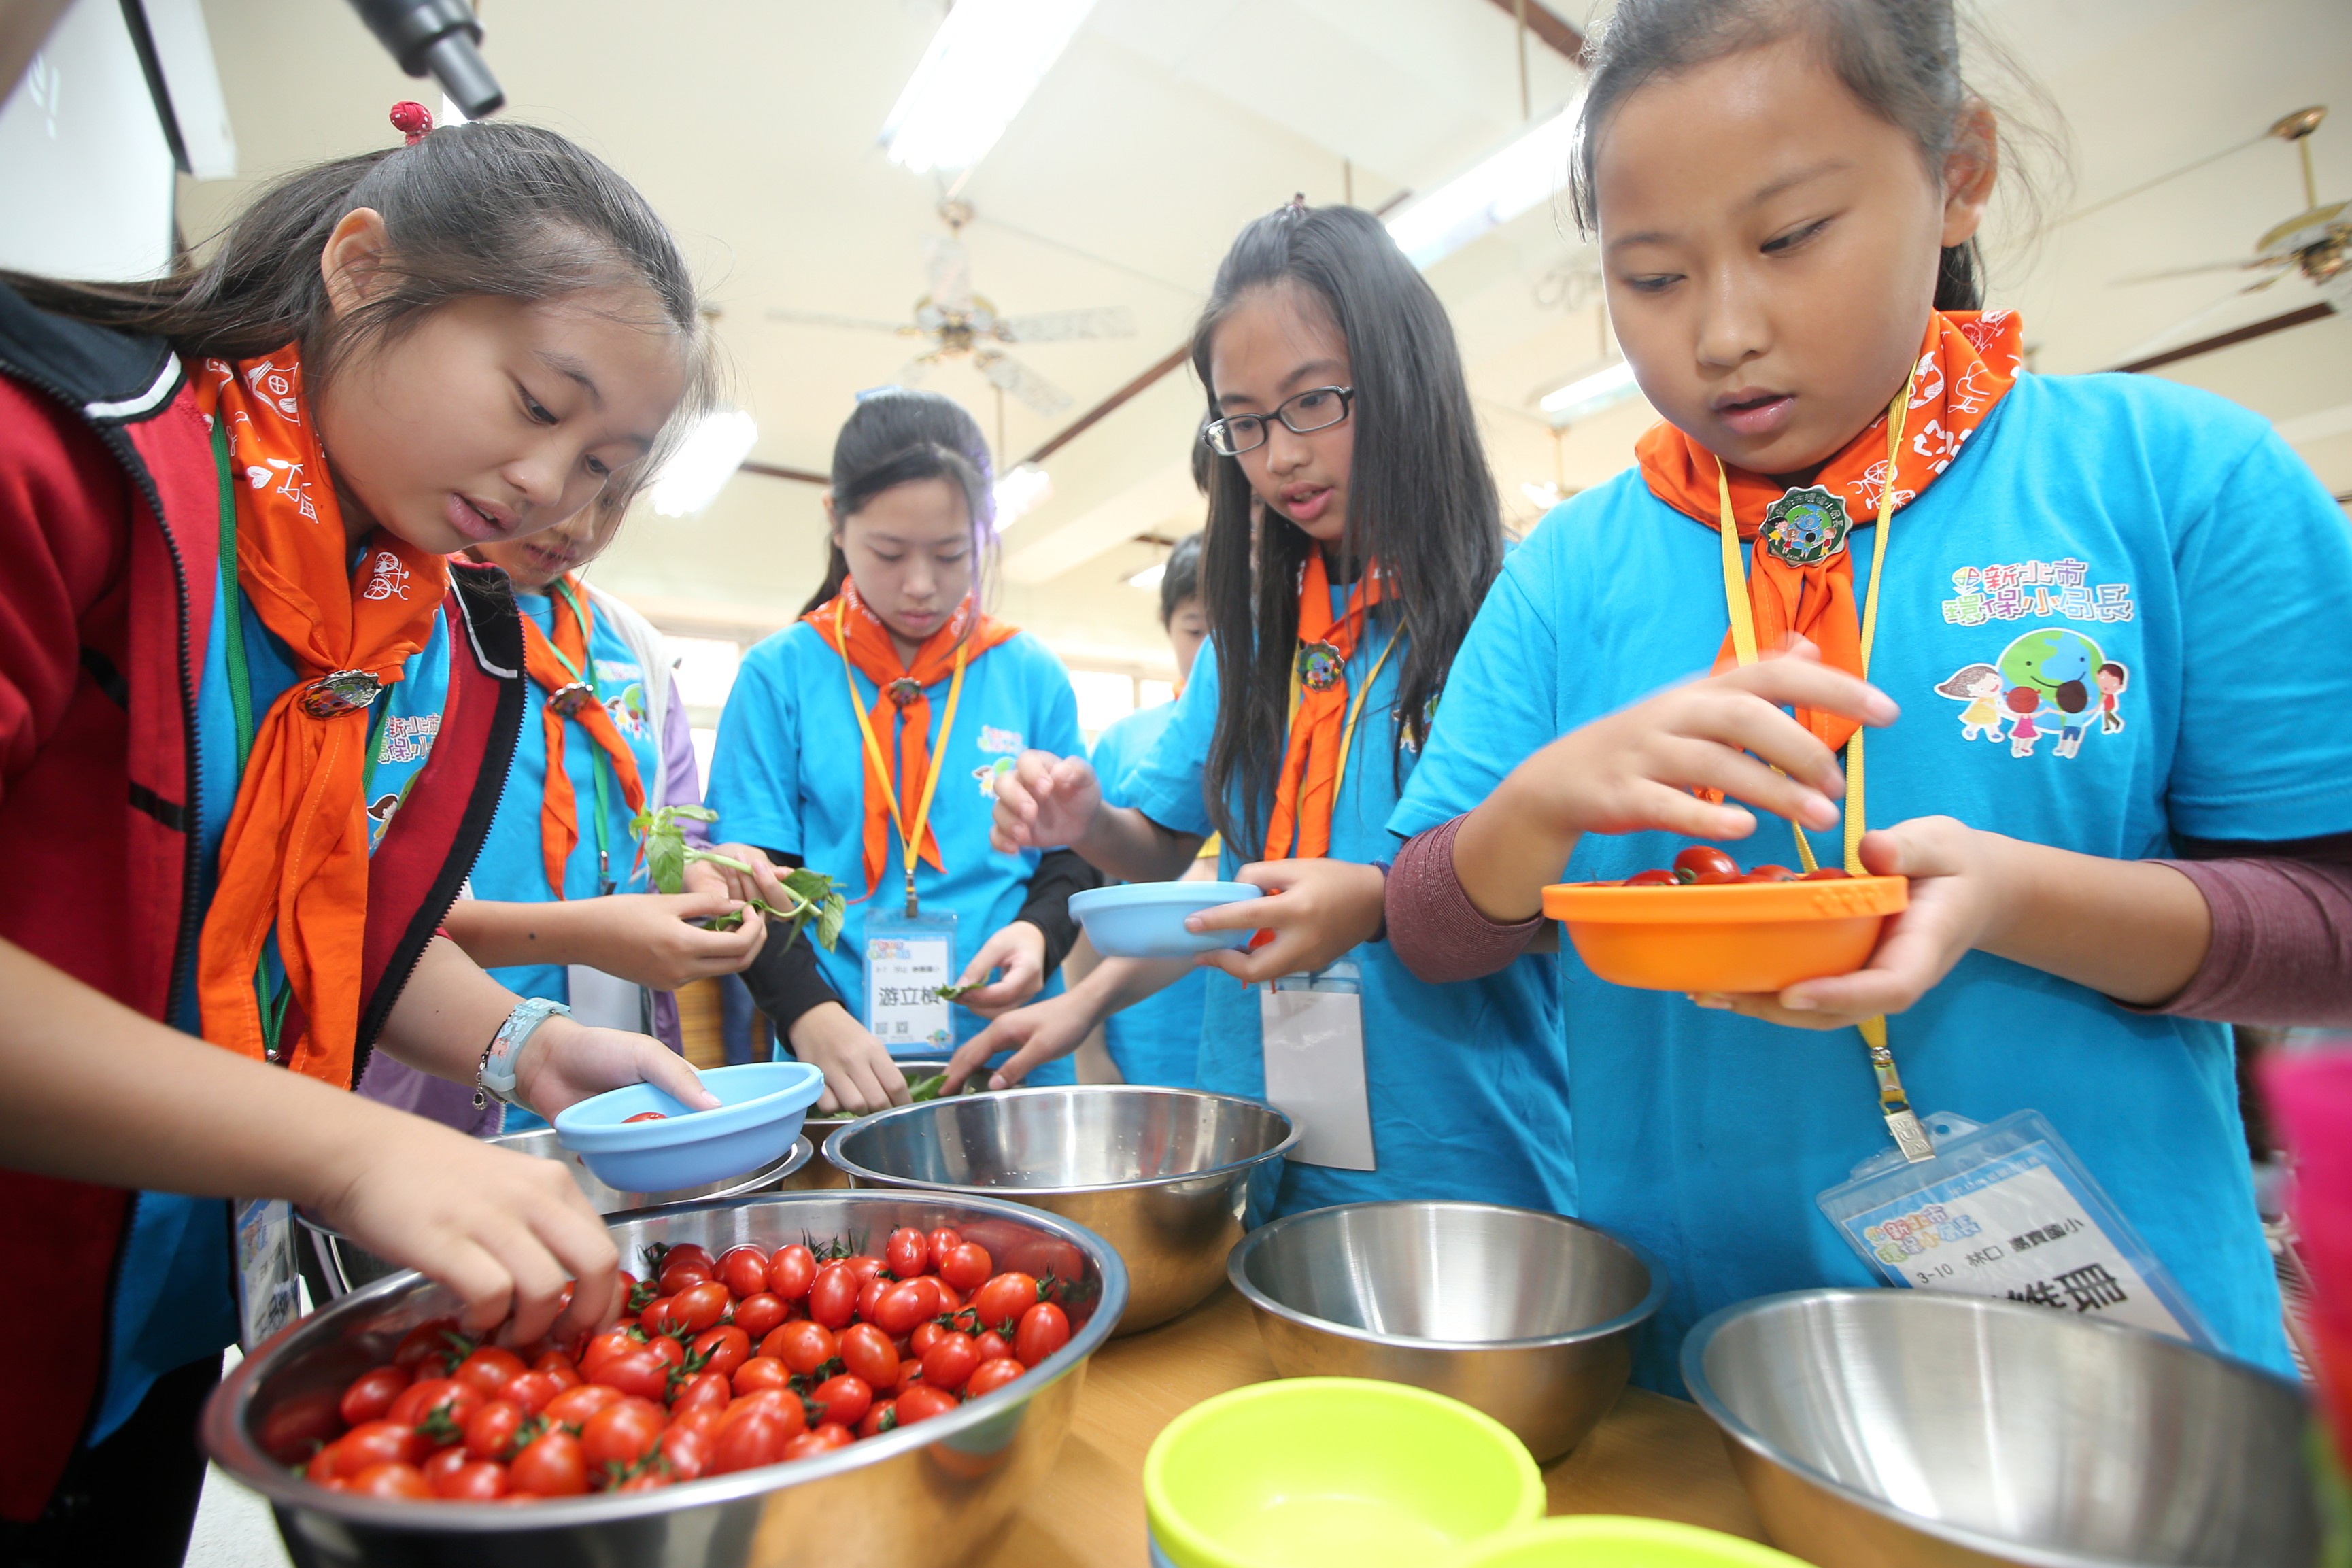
<point>628,710</point>
<point>987,773</point>
<point>2052,683</point>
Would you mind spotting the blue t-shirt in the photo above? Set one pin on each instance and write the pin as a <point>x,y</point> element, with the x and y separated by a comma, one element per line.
<point>789,773</point>
<point>1158,1040</point>
<point>1468,1084</point>
<point>512,868</point>
<point>184,1307</point>
<point>2092,521</point>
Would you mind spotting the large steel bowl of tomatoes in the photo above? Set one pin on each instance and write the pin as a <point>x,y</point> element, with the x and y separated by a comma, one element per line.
<point>801,1378</point>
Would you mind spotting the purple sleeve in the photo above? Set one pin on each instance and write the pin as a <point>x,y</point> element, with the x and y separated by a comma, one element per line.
<point>679,786</point>
<point>401,1087</point>
<point>2281,951</point>
<point>1432,925</point>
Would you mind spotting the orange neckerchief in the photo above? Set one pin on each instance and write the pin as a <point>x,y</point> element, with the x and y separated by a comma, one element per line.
<point>900,694</point>
<point>569,696</point>
<point>296,852</point>
<point>1799,573</point>
<point>1312,757</point>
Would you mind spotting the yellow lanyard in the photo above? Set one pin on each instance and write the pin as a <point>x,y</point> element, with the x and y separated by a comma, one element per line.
<point>909,845</point>
<point>1901,1124</point>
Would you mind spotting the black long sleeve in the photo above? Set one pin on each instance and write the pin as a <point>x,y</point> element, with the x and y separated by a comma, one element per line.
<point>1060,873</point>
<point>785,980</point>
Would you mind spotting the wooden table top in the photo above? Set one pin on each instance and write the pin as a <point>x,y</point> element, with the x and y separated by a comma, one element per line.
<point>1650,1455</point>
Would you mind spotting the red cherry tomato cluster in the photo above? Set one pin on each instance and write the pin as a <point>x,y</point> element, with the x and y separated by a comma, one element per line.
<point>1704,866</point>
<point>720,1364</point>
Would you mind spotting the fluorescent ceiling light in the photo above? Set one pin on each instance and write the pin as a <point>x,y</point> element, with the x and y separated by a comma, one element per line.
<point>1149,578</point>
<point>985,60</point>
<point>1545,496</point>
<point>1530,170</point>
<point>1587,396</point>
<point>1024,488</point>
<point>701,469</point>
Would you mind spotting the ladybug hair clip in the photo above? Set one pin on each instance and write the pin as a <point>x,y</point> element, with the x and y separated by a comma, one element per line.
<point>413,120</point>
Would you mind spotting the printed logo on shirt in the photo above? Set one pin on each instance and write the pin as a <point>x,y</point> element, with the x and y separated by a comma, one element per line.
<point>2050,684</point>
<point>406,739</point>
<point>1001,742</point>
<point>619,671</point>
<point>382,809</point>
<point>2041,589</point>
<point>989,772</point>
<point>628,710</point>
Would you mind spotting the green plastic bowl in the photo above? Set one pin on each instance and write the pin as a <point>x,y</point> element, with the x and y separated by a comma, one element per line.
<point>1312,1470</point>
<point>1618,1541</point>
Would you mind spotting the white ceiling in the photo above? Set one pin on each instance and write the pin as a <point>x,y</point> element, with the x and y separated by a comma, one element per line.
<point>1169,123</point>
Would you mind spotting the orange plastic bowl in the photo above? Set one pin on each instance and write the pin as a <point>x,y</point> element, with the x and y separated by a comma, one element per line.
<point>1739,937</point>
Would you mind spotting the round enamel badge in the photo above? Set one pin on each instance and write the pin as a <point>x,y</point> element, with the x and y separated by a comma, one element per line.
<point>1321,665</point>
<point>1805,526</point>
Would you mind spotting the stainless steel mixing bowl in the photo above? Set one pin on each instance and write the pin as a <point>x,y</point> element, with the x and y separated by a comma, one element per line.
<point>1162,1175</point>
<point>820,1175</point>
<point>931,1493</point>
<point>1527,1316</point>
<point>345,1265</point>
<point>1895,1427</point>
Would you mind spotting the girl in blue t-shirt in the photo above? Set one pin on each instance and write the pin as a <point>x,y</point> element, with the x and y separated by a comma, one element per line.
<point>863,742</point>
<point>1338,412</point>
<point>1786,198</point>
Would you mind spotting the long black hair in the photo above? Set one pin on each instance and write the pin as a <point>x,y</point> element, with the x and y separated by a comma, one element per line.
<point>494,208</point>
<point>898,436</point>
<point>1900,59</point>
<point>1421,498</point>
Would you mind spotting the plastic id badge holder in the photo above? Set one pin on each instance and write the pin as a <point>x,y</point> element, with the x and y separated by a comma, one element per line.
<point>2006,1210</point>
<point>909,959</point>
<point>1313,1029</point>
<point>268,1282</point>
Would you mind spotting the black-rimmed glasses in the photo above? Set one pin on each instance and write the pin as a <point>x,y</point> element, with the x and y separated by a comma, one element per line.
<point>1317,409</point>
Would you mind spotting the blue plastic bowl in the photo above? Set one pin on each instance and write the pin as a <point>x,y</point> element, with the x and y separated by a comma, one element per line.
<point>763,1105</point>
<point>1146,920</point>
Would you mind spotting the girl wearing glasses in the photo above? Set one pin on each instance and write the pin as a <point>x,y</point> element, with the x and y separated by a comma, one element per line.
<point>1337,403</point>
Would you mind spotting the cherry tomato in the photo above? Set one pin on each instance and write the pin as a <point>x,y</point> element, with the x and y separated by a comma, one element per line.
<point>746,1444</point>
<point>661,1317</point>
<point>966,1266</point>
<point>489,1369</point>
<point>574,1406</point>
<point>922,1402</point>
<point>951,1299</point>
<point>419,1401</point>
<point>944,1240</point>
<point>782,1403</point>
<point>1044,1328</point>
<point>807,1445</point>
<point>758,1314</point>
<point>490,1431</point>
<point>640,1373</point>
<point>950,1362</point>
<point>476,1480</point>
<point>700,1307</point>
<point>425,1340</point>
<point>868,1351</point>
<point>722,1349</point>
<point>992,1345</point>
<point>909,1252</point>
<point>1003,1300</point>
<point>646,1116</point>
<point>703,1391</point>
<point>842,1400</point>
<point>832,1299</point>
<point>803,1346</point>
<point>666,1350</point>
<point>378,1443</point>
<point>604,1348</point>
<point>552,1465</point>
<point>791,1270</point>
<point>762,1372</point>
<point>683,1274</point>
<point>1698,857</point>
<point>531,1390</point>
<point>925,1336</point>
<point>1717,878</point>
<point>621,1434</point>
<point>692,1252</point>
<point>1650,878</point>
<point>870,1294</point>
<point>903,1306</point>
<point>372,1394</point>
<point>392,1480</point>
<point>991,1375</point>
<point>1769,873</point>
<point>882,1416</point>
<point>1826,874</point>
<point>831,1435</point>
<point>863,1266</point>
<point>686,1447</point>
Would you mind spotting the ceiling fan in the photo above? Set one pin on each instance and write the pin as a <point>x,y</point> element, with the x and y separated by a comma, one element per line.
<point>956,322</point>
<point>2315,243</point>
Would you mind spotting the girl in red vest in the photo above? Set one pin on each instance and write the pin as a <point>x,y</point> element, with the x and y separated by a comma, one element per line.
<point>253,725</point>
